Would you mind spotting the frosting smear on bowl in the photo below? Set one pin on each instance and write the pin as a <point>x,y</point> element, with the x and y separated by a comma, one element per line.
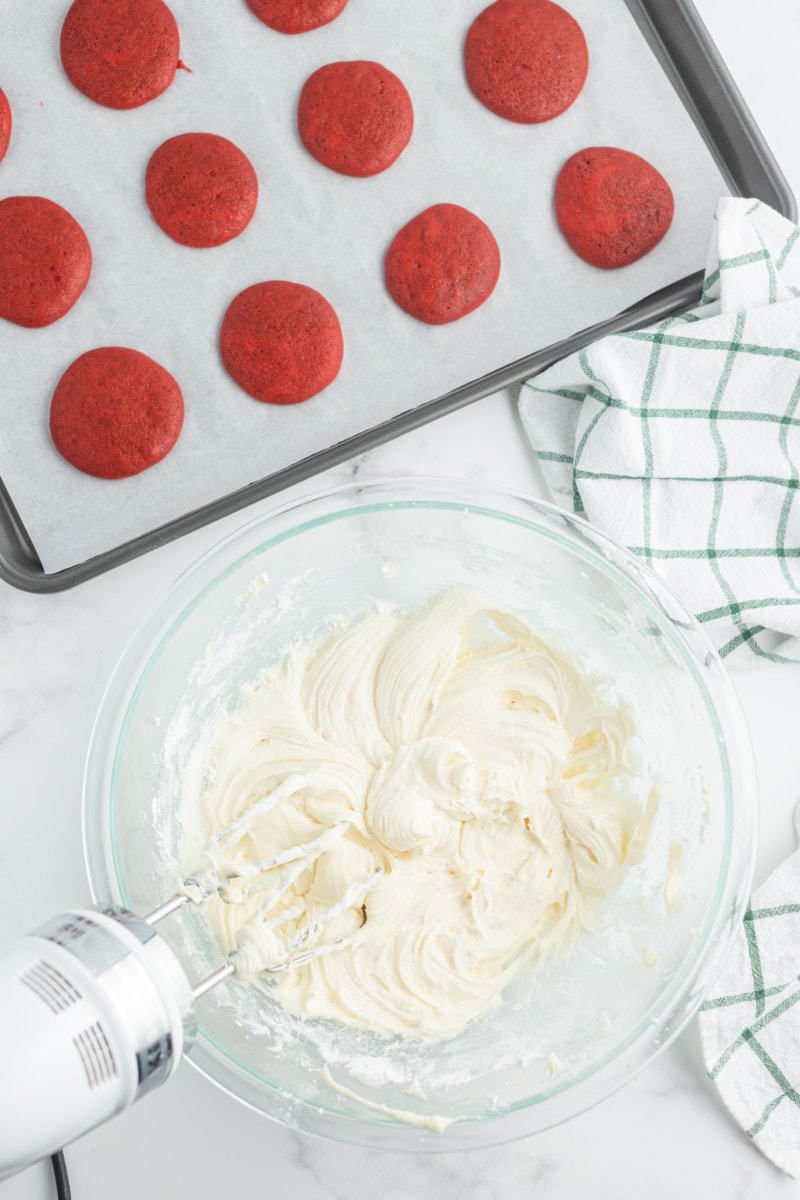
<point>495,790</point>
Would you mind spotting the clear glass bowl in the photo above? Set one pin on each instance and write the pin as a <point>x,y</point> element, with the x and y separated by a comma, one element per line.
<point>634,982</point>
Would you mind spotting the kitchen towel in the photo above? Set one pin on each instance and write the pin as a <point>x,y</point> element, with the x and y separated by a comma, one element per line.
<point>682,440</point>
<point>750,1024</point>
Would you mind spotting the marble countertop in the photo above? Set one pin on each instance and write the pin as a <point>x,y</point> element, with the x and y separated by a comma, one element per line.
<point>665,1135</point>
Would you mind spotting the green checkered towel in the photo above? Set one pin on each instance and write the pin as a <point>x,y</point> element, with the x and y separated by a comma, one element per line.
<point>682,440</point>
<point>750,1026</point>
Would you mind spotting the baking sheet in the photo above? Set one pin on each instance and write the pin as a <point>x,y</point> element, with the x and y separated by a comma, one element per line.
<point>311,226</point>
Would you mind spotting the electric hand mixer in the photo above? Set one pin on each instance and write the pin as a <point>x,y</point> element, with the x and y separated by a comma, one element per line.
<point>97,1010</point>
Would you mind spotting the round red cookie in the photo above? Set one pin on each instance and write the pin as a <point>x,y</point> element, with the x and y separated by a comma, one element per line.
<point>115,412</point>
<point>442,265</point>
<point>5,123</point>
<point>45,261</point>
<point>355,117</point>
<point>612,206</point>
<point>526,60</point>
<point>281,342</point>
<point>118,53</point>
<point>201,189</point>
<point>296,16</point>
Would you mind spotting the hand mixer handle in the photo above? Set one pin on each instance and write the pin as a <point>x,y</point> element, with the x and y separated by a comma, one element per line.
<point>97,1011</point>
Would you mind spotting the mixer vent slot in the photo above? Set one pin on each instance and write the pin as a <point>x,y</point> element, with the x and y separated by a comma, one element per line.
<point>50,985</point>
<point>96,1055</point>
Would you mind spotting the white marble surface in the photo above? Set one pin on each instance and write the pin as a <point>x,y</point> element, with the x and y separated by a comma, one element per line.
<point>665,1135</point>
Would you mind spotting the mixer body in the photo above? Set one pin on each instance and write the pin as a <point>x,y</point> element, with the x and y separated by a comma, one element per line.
<point>97,1011</point>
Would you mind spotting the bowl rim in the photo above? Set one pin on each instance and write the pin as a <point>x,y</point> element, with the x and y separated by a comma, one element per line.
<point>403,492</point>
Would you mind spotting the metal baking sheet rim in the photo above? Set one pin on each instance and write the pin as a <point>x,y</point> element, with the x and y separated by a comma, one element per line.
<point>666,26</point>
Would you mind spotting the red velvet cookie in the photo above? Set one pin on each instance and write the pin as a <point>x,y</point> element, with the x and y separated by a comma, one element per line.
<point>355,117</point>
<point>5,123</point>
<point>296,16</point>
<point>118,53</point>
<point>281,342</point>
<point>526,60</point>
<point>442,265</point>
<point>612,206</point>
<point>201,189</point>
<point>115,412</point>
<point>45,261</point>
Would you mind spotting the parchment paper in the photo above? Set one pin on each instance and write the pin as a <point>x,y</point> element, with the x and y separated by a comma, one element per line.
<point>311,226</point>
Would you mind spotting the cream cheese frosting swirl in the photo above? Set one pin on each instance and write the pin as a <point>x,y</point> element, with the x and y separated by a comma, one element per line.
<point>492,793</point>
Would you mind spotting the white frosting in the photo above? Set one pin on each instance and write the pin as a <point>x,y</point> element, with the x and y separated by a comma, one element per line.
<point>554,1065</point>
<point>489,794</point>
<point>436,1123</point>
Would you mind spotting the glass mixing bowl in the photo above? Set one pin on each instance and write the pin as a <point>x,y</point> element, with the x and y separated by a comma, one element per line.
<point>577,1030</point>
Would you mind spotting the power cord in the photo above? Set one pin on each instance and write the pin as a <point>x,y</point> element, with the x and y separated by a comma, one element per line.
<point>63,1190</point>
